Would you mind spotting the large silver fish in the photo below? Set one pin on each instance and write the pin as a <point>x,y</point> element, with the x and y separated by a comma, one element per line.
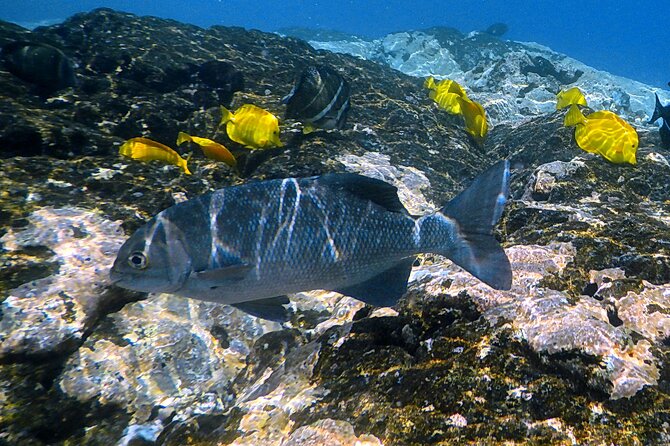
<point>251,245</point>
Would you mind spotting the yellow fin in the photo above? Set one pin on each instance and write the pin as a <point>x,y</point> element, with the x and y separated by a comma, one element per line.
<point>145,149</point>
<point>183,137</point>
<point>216,151</point>
<point>183,164</point>
<point>226,115</point>
<point>429,83</point>
<point>568,97</point>
<point>307,129</point>
<point>573,117</point>
<point>475,118</point>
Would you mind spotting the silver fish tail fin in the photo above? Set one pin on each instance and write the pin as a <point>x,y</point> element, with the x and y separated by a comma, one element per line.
<point>474,213</point>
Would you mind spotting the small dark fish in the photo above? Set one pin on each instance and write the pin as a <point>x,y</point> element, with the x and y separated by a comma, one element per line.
<point>41,64</point>
<point>250,245</point>
<point>320,98</point>
<point>223,78</point>
<point>497,29</point>
<point>662,112</point>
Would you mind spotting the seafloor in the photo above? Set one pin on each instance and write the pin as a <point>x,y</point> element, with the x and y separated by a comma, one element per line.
<point>575,353</point>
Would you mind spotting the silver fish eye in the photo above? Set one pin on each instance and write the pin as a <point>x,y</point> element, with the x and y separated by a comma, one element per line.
<point>137,260</point>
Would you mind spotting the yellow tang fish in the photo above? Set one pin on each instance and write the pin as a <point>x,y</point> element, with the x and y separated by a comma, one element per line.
<point>566,98</point>
<point>605,133</point>
<point>446,93</point>
<point>252,127</point>
<point>475,118</point>
<point>212,149</point>
<point>145,149</point>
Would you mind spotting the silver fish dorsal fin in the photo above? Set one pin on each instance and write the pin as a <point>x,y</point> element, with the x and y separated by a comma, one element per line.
<point>365,188</point>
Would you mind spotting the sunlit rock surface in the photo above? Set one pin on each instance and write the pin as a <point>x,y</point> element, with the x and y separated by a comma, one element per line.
<point>575,353</point>
<point>75,249</point>
<point>331,432</point>
<point>163,352</point>
<point>551,323</point>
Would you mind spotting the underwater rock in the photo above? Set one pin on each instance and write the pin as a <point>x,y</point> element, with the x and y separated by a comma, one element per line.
<point>497,70</point>
<point>551,323</point>
<point>330,432</point>
<point>576,352</point>
<point>223,78</point>
<point>543,67</point>
<point>409,180</point>
<point>71,249</point>
<point>169,352</point>
<point>497,29</point>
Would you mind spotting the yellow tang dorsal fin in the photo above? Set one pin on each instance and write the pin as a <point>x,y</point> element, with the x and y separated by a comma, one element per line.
<point>574,116</point>
<point>226,115</point>
<point>429,83</point>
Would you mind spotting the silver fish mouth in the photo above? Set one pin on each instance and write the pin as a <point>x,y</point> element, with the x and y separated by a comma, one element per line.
<point>115,277</point>
<point>129,282</point>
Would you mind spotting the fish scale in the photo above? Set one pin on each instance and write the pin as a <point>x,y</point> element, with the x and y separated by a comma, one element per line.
<point>326,245</point>
<point>344,232</point>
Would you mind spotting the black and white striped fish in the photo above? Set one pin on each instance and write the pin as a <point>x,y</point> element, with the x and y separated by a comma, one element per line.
<point>319,98</point>
<point>250,245</point>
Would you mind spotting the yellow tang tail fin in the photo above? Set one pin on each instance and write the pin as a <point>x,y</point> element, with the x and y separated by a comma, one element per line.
<point>226,115</point>
<point>573,117</point>
<point>183,137</point>
<point>183,164</point>
<point>429,83</point>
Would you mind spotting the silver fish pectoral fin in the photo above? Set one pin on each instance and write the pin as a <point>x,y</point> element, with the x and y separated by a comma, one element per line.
<point>221,276</point>
<point>384,289</point>
<point>271,309</point>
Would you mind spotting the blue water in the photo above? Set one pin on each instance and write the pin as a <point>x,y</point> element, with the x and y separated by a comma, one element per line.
<point>628,38</point>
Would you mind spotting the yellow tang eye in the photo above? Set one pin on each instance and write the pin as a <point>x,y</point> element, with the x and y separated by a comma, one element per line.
<point>137,260</point>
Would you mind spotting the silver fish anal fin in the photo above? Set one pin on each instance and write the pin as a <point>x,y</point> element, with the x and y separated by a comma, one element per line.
<point>271,308</point>
<point>384,289</point>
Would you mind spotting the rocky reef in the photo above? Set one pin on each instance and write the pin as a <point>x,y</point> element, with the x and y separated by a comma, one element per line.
<point>512,80</point>
<point>575,353</point>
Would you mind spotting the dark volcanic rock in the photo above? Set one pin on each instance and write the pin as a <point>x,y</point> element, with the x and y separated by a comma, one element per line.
<point>144,76</point>
<point>544,67</point>
<point>575,352</point>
